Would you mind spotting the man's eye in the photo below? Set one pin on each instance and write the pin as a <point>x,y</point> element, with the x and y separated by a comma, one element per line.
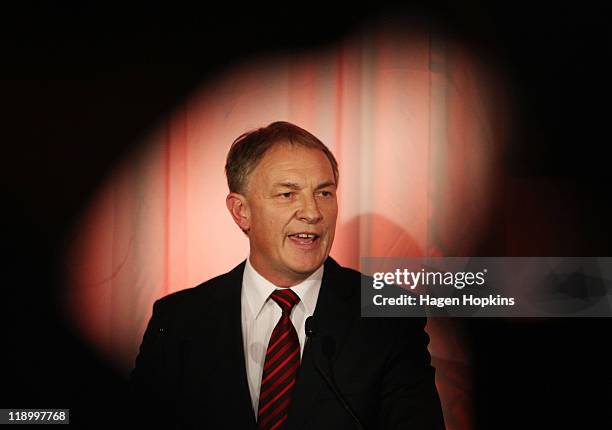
<point>325,193</point>
<point>286,195</point>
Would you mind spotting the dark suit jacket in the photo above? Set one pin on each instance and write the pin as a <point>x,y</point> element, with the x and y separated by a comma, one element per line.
<point>190,371</point>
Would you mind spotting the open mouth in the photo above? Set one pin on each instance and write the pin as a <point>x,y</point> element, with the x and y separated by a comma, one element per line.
<point>304,239</point>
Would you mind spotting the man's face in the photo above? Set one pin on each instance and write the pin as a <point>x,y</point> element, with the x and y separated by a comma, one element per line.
<point>289,194</point>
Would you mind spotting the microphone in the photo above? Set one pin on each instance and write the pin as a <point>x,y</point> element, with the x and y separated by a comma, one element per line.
<point>311,329</point>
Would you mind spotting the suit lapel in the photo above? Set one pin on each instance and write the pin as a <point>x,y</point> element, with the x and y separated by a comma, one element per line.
<point>220,339</point>
<point>333,322</point>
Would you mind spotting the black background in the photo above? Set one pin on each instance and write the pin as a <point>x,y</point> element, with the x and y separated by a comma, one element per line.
<point>81,82</point>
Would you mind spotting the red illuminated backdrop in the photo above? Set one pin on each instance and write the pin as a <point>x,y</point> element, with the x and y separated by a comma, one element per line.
<point>410,120</point>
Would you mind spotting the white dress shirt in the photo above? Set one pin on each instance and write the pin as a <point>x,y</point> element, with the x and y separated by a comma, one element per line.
<point>260,314</point>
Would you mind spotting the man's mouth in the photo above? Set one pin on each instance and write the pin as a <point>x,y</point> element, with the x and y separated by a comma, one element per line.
<point>304,239</point>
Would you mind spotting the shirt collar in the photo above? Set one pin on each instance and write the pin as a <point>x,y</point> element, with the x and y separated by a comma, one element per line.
<point>258,289</point>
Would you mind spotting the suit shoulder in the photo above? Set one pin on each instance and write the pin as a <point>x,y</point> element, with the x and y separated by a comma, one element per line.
<point>209,292</point>
<point>347,271</point>
<point>349,280</point>
<point>343,272</point>
<point>389,324</point>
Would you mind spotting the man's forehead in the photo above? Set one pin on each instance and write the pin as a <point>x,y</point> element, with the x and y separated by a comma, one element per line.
<point>293,163</point>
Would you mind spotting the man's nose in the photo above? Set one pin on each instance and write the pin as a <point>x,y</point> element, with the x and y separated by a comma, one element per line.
<point>309,210</point>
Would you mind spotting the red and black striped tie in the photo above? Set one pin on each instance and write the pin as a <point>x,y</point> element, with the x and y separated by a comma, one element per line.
<point>281,366</point>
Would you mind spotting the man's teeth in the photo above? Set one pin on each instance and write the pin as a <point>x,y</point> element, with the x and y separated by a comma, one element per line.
<point>305,236</point>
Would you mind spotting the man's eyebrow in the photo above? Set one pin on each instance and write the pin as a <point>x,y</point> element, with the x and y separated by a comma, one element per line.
<point>325,184</point>
<point>294,186</point>
<point>291,185</point>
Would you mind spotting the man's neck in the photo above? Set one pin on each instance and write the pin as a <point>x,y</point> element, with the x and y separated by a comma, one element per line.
<point>281,280</point>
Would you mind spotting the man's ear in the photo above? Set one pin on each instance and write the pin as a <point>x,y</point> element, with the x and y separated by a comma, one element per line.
<point>239,210</point>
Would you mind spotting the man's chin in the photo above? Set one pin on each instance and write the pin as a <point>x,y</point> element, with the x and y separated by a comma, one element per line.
<point>306,268</point>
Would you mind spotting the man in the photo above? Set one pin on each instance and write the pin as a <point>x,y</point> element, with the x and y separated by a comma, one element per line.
<point>234,352</point>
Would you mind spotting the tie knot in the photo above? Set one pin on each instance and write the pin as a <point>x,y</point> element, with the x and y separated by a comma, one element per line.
<point>286,299</point>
